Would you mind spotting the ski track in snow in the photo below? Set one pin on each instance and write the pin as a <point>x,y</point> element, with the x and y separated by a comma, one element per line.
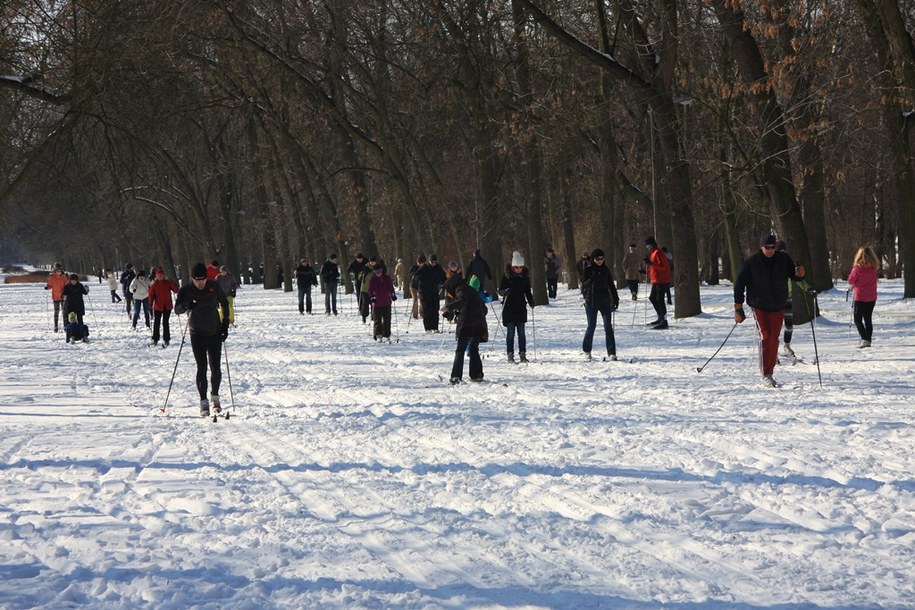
<point>352,475</point>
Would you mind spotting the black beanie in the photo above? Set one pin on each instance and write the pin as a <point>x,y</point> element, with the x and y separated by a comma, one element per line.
<point>597,253</point>
<point>199,272</point>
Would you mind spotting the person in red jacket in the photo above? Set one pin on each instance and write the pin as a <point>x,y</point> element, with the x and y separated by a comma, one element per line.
<point>160,299</point>
<point>56,283</point>
<point>659,275</point>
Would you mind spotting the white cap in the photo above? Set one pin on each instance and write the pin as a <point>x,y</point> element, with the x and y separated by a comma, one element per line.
<point>517,259</point>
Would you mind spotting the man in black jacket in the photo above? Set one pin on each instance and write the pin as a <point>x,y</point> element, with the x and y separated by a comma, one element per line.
<point>764,277</point>
<point>203,299</point>
<point>428,281</point>
<point>305,277</point>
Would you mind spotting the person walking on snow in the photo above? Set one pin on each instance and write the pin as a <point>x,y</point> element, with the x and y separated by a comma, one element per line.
<point>113,286</point>
<point>470,311</point>
<point>633,271</point>
<point>305,278</point>
<point>73,298</point>
<point>659,276</point>
<point>601,297</point>
<point>139,289</point>
<point>127,276</point>
<point>428,281</point>
<point>160,300</point>
<point>863,280</point>
<point>381,296</point>
<point>330,277</point>
<point>226,282</point>
<point>515,287</point>
<point>552,265</point>
<point>208,325</point>
<point>56,283</point>
<point>764,278</point>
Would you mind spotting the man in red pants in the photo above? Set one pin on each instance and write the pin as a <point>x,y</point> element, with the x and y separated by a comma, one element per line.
<point>764,278</point>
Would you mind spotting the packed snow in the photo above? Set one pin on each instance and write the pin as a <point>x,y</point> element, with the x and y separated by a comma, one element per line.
<point>352,475</point>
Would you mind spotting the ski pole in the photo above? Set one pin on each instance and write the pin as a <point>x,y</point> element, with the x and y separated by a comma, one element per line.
<point>175,370</point>
<point>701,368</point>
<point>394,315</point>
<point>47,311</point>
<point>813,330</point>
<point>92,310</point>
<point>534,333</point>
<point>229,378</point>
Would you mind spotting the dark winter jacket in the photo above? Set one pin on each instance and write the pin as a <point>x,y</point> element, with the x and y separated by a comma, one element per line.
<point>427,280</point>
<point>478,267</point>
<point>470,312</point>
<point>330,272</point>
<point>451,284</point>
<point>228,284</point>
<point>551,267</point>
<point>597,287</point>
<point>126,277</point>
<point>73,298</point>
<point>516,288</point>
<point>765,280</point>
<point>76,331</point>
<point>203,305</point>
<point>305,276</point>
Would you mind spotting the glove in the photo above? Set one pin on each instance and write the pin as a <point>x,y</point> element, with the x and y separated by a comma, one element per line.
<point>393,297</point>
<point>616,304</point>
<point>371,299</point>
<point>191,305</point>
<point>739,315</point>
<point>224,334</point>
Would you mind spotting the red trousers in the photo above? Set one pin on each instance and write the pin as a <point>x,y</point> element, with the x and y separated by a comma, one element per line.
<point>769,324</point>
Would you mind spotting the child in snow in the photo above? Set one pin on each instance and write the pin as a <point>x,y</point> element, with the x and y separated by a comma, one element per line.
<point>863,280</point>
<point>76,331</point>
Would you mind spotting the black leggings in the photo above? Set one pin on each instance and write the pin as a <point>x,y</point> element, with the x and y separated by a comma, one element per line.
<point>205,347</point>
<point>864,311</point>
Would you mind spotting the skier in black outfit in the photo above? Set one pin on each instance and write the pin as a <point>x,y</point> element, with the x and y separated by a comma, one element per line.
<point>305,277</point>
<point>428,280</point>
<point>209,327</point>
<point>470,311</point>
<point>601,296</point>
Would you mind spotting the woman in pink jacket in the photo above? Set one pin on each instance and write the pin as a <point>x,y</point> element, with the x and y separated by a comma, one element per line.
<point>863,280</point>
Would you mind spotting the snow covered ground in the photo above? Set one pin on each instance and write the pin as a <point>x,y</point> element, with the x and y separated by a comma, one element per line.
<point>352,475</point>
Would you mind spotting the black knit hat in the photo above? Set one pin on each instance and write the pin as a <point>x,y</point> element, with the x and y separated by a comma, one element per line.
<point>767,240</point>
<point>199,272</point>
<point>597,253</point>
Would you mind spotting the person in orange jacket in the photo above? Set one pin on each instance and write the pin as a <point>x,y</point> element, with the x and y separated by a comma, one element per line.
<point>56,283</point>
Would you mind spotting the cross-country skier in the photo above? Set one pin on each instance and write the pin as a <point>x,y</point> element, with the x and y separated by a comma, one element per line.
<point>204,300</point>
